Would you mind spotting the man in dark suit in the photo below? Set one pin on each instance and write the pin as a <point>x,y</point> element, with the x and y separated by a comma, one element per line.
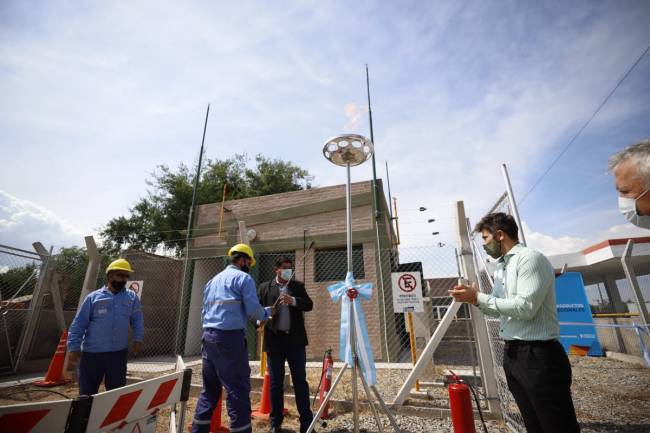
<point>285,339</point>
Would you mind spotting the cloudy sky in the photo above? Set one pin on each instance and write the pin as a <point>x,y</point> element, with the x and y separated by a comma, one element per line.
<point>94,96</point>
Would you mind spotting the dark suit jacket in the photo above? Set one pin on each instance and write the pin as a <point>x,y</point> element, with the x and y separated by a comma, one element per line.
<point>268,293</point>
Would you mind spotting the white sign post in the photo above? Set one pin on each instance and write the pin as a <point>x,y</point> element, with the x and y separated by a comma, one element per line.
<point>407,292</point>
<point>136,286</point>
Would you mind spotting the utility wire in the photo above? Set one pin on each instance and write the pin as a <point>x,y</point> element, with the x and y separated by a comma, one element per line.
<point>584,126</point>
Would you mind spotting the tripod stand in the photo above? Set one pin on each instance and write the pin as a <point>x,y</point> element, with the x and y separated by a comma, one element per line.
<point>347,151</point>
<point>352,294</point>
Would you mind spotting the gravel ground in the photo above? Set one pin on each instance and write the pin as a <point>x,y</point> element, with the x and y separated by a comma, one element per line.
<point>610,397</point>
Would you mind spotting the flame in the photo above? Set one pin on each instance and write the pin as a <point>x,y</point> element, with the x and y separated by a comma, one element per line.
<point>354,113</point>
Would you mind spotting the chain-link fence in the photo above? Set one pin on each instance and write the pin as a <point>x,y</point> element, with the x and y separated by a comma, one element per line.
<point>171,292</point>
<point>19,274</point>
<point>485,267</point>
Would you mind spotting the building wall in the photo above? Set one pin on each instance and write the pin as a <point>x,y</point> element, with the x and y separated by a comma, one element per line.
<point>323,322</point>
<point>285,222</point>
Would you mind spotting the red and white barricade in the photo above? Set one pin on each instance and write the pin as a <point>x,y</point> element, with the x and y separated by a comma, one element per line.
<point>46,417</point>
<point>120,407</point>
<point>131,409</point>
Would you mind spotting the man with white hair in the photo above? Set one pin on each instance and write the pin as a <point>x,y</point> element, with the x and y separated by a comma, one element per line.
<point>631,169</point>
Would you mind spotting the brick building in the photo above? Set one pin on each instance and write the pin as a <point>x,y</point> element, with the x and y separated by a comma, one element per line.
<point>287,224</point>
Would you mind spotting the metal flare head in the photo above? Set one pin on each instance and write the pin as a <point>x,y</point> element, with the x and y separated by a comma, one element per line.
<point>348,149</point>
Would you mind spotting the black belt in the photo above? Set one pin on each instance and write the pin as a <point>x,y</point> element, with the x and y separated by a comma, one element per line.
<point>516,343</point>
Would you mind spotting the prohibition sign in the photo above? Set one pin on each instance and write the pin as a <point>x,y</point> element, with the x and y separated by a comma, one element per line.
<point>407,283</point>
<point>135,287</point>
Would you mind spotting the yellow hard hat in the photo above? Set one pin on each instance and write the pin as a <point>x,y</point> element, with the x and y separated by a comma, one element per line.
<point>119,265</point>
<point>245,249</point>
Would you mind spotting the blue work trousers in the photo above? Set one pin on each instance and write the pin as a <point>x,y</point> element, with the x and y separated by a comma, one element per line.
<point>97,366</point>
<point>225,362</point>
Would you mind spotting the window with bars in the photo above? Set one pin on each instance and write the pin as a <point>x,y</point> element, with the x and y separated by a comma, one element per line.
<point>332,264</point>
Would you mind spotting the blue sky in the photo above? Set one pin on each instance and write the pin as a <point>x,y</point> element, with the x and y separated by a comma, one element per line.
<point>93,97</point>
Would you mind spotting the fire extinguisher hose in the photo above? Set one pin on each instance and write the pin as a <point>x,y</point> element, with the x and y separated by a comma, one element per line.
<point>478,406</point>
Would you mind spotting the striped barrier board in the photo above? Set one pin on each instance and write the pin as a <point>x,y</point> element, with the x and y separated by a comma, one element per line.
<point>120,407</point>
<point>46,417</point>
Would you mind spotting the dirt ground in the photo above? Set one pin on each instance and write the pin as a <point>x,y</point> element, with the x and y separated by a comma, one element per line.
<point>609,396</point>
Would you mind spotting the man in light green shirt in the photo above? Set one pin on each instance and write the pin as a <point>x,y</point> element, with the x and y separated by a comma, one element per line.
<point>537,369</point>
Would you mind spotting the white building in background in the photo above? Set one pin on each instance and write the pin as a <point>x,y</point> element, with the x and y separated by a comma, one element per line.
<point>603,275</point>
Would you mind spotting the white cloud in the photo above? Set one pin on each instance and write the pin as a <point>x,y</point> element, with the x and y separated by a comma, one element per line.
<point>23,222</point>
<point>550,245</point>
<point>457,89</point>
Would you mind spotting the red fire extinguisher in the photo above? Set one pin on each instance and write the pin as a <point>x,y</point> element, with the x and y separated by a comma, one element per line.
<point>326,380</point>
<point>460,401</point>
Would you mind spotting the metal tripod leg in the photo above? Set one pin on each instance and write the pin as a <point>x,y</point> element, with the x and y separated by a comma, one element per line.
<point>390,416</point>
<point>328,396</point>
<point>355,396</point>
<point>371,403</point>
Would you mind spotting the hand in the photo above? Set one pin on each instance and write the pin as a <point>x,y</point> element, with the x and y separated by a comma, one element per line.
<point>261,323</point>
<point>463,293</point>
<point>286,299</point>
<point>136,347</point>
<point>73,357</point>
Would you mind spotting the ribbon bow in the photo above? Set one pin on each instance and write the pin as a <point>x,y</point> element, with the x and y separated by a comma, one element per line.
<point>349,293</point>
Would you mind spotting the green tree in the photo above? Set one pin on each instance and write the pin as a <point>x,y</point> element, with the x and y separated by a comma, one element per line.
<point>160,218</point>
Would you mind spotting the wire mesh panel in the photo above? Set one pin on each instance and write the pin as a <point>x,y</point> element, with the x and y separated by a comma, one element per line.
<point>19,273</point>
<point>485,267</point>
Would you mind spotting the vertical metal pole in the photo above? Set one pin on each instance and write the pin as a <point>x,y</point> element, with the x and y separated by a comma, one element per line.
<point>390,197</point>
<point>348,215</point>
<point>513,203</point>
<point>181,328</point>
<point>414,355</point>
<point>626,261</point>
<point>353,345</point>
<point>35,305</point>
<point>480,326</point>
<point>372,139</point>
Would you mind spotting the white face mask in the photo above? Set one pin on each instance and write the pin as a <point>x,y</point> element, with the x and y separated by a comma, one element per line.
<point>627,207</point>
<point>286,274</point>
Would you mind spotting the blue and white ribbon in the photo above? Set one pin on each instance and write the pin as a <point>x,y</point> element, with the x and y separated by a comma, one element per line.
<point>364,349</point>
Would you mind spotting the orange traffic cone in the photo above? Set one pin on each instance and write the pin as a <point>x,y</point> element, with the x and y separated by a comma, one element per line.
<point>264,412</point>
<point>54,374</point>
<point>215,424</point>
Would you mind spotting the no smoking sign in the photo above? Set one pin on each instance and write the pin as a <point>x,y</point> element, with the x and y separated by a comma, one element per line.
<point>407,283</point>
<point>407,292</point>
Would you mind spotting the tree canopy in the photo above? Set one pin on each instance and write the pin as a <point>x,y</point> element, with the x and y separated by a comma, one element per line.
<point>160,218</point>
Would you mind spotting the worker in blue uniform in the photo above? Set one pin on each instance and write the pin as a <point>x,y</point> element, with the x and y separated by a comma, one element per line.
<point>228,300</point>
<point>98,338</point>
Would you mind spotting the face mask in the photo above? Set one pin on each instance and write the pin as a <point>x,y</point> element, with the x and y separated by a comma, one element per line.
<point>245,268</point>
<point>493,248</point>
<point>286,274</point>
<point>627,206</point>
<point>118,285</point>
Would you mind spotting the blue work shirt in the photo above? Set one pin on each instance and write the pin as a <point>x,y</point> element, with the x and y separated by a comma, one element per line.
<point>229,298</point>
<point>102,322</point>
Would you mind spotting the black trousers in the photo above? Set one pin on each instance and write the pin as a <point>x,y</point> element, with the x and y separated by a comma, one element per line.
<point>539,378</point>
<point>295,356</point>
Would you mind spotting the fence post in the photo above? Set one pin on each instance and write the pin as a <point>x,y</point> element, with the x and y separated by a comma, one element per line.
<point>35,305</point>
<point>513,203</point>
<point>480,326</point>
<point>92,271</point>
<point>626,261</point>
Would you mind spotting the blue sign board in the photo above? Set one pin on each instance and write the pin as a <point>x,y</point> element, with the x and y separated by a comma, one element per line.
<point>573,306</point>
